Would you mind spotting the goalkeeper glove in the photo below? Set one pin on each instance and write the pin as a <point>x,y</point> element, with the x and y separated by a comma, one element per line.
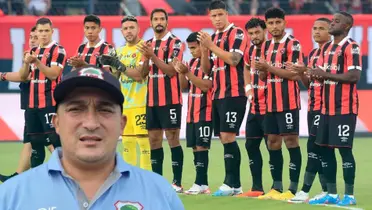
<point>113,62</point>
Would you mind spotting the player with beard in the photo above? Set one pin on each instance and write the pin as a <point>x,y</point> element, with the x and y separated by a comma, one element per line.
<point>88,52</point>
<point>134,88</point>
<point>340,66</point>
<point>255,89</point>
<point>24,161</point>
<point>164,96</point>
<point>315,87</point>
<point>283,103</point>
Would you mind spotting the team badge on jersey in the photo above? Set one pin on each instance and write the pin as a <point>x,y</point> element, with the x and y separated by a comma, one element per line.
<point>91,72</point>
<point>127,205</point>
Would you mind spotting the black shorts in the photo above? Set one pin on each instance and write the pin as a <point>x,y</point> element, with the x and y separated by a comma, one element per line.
<point>228,114</point>
<point>163,117</point>
<point>254,128</point>
<point>282,123</point>
<point>336,131</point>
<point>199,134</point>
<point>313,122</point>
<point>39,121</point>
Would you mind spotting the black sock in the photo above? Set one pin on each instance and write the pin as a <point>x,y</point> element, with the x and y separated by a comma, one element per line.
<point>348,167</point>
<point>294,168</point>
<point>38,150</point>
<point>255,162</point>
<point>322,179</point>
<point>230,163</point>
<point>196,157</point>
<point>329,165</point>
<point>177,164</point>
<point>312,165</point>
<point>276,168</point>
<point>157,158</point>
<point>238,160</point>
<point>202,168</point>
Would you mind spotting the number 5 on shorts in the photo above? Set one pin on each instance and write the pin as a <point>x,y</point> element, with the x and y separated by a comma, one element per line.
<point>173,114</point>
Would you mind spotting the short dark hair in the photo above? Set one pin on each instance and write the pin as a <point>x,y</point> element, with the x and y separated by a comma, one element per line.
<point>274,12</point>
<point>348,16</point>
<point>43,21</point>
<point>92,18</point>
<point>158,10</point>
<point>255,22</point>
<point>193,37</point>
<point>129,18</point>
<point>218,4</point>
<point>33,29</point>
<point>324,20</point>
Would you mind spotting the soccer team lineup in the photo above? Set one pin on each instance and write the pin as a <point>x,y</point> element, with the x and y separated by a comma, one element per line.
<point>133,93</point>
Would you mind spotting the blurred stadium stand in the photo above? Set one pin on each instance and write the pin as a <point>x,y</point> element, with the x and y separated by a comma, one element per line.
<point>177,7</point>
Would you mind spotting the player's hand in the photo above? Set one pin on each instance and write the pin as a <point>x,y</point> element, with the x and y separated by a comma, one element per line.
<point>179,66</point>
<point>76,62</point>
<point>205,39</point>
<point>30,58</point>
<point>316,73</point>
<point>249,94</point>
<point>261,65</point>
<point>296,68</point>
<point>146,49</point>
<point>113,62</point>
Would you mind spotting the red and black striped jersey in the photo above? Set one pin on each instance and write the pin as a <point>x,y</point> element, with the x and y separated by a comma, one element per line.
<point>340,98</point>
<point>42,88</point>
<point>315,87</point>
<point>199,102</point>
<point>258,104</point>
<point>228,81</point>
<point>90,54</point>
<point>282,94</point>
<point>162,89</point>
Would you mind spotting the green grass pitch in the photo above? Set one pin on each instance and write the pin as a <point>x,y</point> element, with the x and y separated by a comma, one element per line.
<point>9,153</point>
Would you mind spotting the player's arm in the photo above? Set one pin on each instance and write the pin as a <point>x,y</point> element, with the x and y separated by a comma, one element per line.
<point>205,60</point>
<point>24,71</point>
<point>262,75</point>
<point>175,52</point>
<point>184,84</point>
<point>353,61</point>
<point>237,44</point>
<point>56,65</point>
<point>204,84</point>
<point>11,77</point>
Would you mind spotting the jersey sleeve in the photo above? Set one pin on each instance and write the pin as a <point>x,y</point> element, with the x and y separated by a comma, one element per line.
<point>294,52</point>
<point>353,57</point>
<point>309,58</point>
<point>176,50</point>
<point>59,57</point>
<point>237,41</point>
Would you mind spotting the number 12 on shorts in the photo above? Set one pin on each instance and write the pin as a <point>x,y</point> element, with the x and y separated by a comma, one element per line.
<point>343,130</point>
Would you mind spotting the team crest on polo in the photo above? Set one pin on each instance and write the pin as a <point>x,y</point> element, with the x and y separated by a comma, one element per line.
<point>127,205</point>
<point>91,72</point>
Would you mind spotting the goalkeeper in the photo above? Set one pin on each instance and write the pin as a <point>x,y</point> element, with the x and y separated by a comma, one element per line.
<point>127,67</point>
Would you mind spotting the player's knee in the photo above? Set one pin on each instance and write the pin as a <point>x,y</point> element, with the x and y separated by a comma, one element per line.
<point>274,142</point>
<point>291,141</point>
<point>346,154</point>
<point>227,137</point>
<point>252,144</point>
<point>53,139</point>
<point>200,149</point>
<point>173,137</point>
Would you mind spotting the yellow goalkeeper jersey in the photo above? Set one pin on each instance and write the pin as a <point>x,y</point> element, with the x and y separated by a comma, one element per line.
<point>134,92</point>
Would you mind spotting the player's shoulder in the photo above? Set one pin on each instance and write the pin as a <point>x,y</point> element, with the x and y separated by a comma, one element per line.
<point>352,42</point>
<point>293,39</point>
